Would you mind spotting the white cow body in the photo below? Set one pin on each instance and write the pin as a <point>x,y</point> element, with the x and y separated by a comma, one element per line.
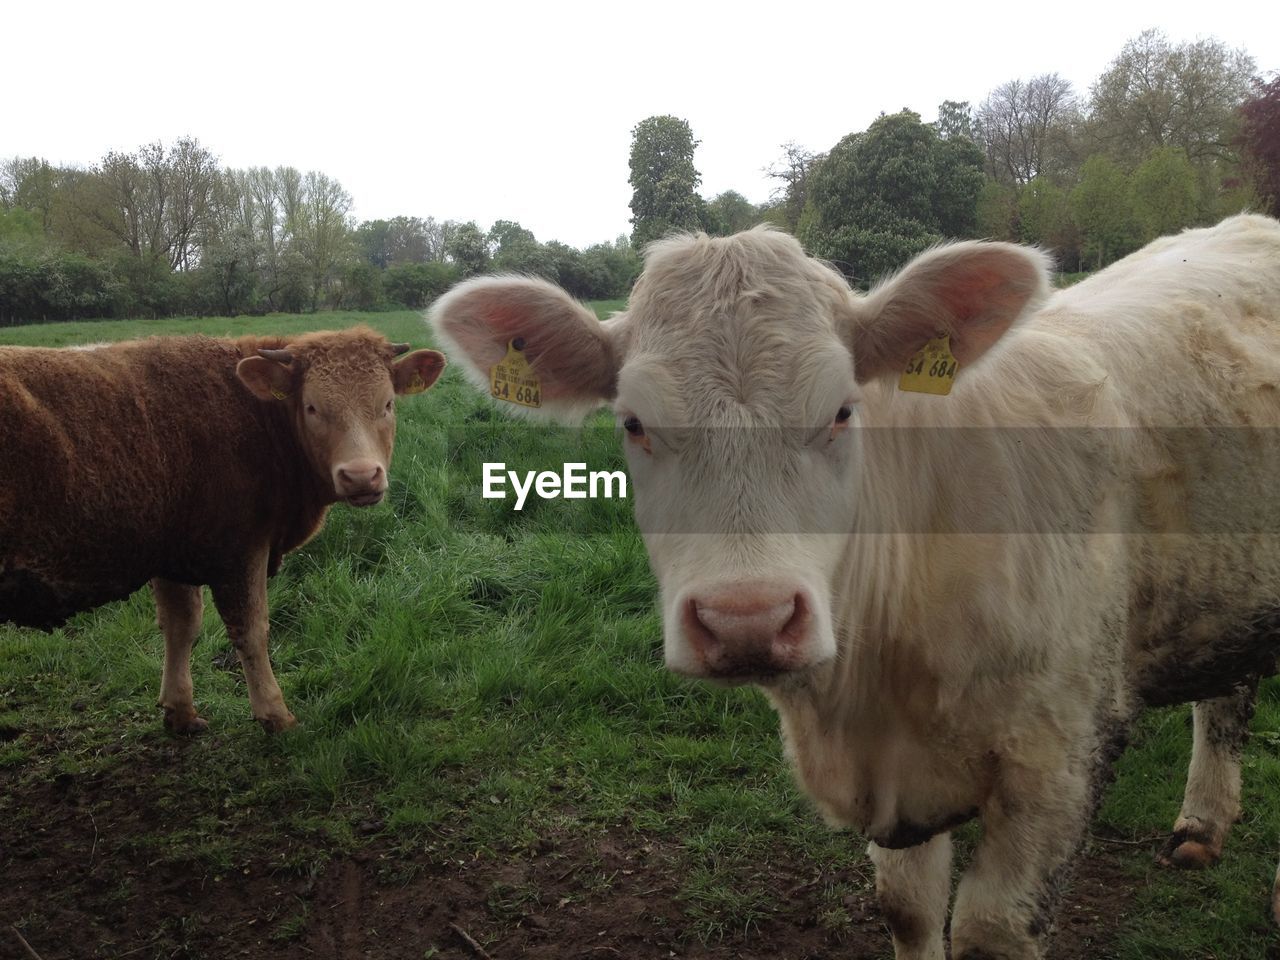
<point>959,605</point>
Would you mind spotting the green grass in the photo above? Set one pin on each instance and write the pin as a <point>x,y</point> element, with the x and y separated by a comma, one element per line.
<point>466,674</point>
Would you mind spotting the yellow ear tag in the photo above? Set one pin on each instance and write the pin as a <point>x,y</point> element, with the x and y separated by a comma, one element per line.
<point>513,380</point>
<point>416,385</point>
<point>279,394</point>
<point>932,369</point>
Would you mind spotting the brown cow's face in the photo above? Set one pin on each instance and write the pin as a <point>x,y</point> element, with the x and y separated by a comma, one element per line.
<point>341,388</point>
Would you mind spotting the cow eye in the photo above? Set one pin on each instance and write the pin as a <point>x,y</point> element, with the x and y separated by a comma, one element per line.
<point>634,427</point>
<point>311,409</point>
<point>844,413</point>
<point>389,406</point>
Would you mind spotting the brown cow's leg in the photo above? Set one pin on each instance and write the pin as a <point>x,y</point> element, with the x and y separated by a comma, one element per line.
<point>243,607</point>
<point>914,887</point>
<point>179,611</point>
<point>1212,799</point>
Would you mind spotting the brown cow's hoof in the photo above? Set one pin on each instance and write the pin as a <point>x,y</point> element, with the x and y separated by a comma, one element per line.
<point>1192,847</point>
<point>278,724</point>
<point>184,723</point>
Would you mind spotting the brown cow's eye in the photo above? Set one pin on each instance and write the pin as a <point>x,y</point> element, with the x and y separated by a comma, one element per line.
<point>311,409</point>
<point>389,406</point>
<point>633,426</point>
<point>843,414</point>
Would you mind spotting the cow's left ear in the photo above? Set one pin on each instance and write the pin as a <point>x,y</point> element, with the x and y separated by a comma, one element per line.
<point>266,379</point>
<point>417,371</point>
<point>973,291</point>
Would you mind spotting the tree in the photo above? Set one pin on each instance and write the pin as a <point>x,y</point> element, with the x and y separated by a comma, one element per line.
<point>881,196</point>
<point>730,212</point>
<point>793,170</point>
<point>663,179</point>
<point>1101,206</point>
<point>1023,127</point>
<point>1166,195</point>
<point>156,201</point>
<point>319,228</point>
<point>517,250</point>
<point>1259,141</point>
<point>1045,219</point>
<point>468,249</point>
<point>955,119</point>
<point>1155,94</point>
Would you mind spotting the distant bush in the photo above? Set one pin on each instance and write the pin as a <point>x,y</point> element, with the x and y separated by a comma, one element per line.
<point>415,285</point>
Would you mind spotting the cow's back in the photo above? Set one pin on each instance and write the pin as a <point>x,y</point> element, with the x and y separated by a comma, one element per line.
<point>114,457</point>
<point>1188,330</point>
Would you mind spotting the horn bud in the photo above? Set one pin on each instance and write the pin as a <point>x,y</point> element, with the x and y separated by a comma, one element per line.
<point>399,348</point>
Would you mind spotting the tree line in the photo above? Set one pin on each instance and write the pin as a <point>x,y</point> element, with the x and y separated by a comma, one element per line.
<point>165,230</point>
<point>1169,136</point>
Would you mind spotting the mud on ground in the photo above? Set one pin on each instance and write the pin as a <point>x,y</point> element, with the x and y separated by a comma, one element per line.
<point>79,880</point>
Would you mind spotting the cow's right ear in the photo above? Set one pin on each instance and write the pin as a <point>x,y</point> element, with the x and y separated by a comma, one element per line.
<point>572,356</point>
<point>266,379</point>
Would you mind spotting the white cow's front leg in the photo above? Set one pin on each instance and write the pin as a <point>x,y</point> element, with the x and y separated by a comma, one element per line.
<point>914,888</point>
<point>1032,828</point>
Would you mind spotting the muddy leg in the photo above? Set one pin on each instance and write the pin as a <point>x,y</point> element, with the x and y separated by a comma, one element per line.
<point>1212,799</point>
<point>179,611</point>
<point>242,604</point>
<point>914,888</point>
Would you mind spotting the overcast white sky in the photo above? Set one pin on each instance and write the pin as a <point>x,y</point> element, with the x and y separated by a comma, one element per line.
<point>523,111</point>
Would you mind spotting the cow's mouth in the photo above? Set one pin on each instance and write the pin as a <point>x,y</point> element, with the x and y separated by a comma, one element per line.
<point>366,499</point>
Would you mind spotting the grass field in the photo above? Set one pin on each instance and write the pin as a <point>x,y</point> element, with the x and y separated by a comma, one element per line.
<point>481,696</point>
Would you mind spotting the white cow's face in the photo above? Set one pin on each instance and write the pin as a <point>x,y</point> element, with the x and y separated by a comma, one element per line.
<point>736,406</point>
<point>734,376</point>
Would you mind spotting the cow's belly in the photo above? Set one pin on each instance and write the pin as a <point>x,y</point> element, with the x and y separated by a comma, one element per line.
<point>30,600</point>
<point>895,789</point>
<point>1205,667</point>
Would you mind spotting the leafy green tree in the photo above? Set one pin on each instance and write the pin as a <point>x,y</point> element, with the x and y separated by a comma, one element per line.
<point>230,269</point>
<point>517,250</point>
<point>415,285</point>
<point>468,249</point>
<point>1101,204</point>
<point>663,179</point>
<point>730,212</point>
<point>955,119</point>
<point>320,231</point>
<point>373,241</point>
<point>883,195</point>
<point>1166,193</point>
<point>1045,219</point>
<point>361,287</point>
<point>1157,94</point>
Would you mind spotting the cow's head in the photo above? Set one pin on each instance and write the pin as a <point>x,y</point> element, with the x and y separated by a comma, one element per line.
<point>736,375</point>
<point>340,388</point>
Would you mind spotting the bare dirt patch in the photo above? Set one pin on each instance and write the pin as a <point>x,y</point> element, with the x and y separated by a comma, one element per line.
<point>83,876</point>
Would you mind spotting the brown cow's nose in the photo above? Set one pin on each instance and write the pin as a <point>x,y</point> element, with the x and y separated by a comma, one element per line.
<point>361,481</point>
<point>749,629</point>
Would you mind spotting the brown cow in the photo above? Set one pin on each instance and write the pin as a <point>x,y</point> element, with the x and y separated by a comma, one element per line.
<point>186,461</point>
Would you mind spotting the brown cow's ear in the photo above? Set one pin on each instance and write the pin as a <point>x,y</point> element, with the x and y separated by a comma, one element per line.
<point>266,379</point>
<point>417,371</point>
<point>971,291</point>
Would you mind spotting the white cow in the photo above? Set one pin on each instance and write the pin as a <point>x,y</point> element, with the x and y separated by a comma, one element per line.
<point>950,622</point>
